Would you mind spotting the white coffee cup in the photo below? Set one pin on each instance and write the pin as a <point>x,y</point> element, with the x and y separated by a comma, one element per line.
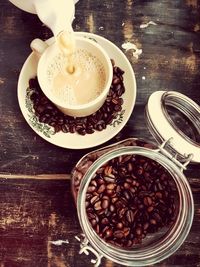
<point>50,62</point>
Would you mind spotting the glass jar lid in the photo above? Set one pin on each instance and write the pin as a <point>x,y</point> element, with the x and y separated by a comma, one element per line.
<point>173,116</point>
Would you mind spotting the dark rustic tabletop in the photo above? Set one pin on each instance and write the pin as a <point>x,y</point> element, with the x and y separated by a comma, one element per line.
<point>36,204</point>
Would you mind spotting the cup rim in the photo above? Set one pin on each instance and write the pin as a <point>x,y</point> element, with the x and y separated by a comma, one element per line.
<point>105,88</point>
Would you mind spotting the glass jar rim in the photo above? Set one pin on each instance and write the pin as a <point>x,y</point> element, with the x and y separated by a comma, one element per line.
<point>160,250</point>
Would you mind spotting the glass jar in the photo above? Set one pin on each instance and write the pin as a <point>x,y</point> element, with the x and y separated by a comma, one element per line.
<point>173,154</point>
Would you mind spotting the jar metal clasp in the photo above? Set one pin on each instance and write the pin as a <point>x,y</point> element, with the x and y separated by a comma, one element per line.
<point>163,149</point>
<point>86,248</point>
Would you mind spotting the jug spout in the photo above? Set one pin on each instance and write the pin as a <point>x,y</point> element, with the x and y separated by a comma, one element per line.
<point>57,15</point>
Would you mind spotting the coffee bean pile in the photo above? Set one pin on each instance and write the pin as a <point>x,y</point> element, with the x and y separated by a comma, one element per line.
<point>128,198</point>
<point>81,168</point>
<point>48,113</point>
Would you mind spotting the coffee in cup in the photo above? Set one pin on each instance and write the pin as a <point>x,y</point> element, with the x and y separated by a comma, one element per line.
<point>78,83</point>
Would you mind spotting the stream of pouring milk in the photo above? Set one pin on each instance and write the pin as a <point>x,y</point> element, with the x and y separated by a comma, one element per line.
<point>83,76</point>
<point>58,16</point>
<point>66,42</point>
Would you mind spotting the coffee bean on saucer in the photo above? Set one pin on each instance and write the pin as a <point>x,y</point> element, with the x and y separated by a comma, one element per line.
<point>82,126</point>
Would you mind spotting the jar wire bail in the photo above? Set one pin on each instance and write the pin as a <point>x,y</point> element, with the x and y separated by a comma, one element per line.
<point>85,248</point>
<point>163,149</point>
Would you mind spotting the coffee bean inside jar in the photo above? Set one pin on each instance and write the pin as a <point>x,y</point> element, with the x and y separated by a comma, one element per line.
<point>130,199</point>
<point>134,203</point>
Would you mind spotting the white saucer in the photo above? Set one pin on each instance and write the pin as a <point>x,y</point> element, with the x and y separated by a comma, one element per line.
<point>74,140</point>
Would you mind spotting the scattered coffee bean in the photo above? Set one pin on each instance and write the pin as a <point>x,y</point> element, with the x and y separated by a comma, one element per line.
<point>130,216</point>
<point>108,233</point>
<point>101,188</point>
<point>105,203</point>
<point>112,208</point>
<point>97,205</point>
<point>120,225</point>
<point>147,201</point>
<point>122,216</point>
<point>48,113</point>
<point>118,234</point>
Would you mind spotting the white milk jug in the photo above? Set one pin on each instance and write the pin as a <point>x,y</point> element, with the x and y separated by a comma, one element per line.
<point>56,14</point>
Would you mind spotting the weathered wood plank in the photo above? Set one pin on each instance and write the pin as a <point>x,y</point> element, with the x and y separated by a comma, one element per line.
<point>36,212</point>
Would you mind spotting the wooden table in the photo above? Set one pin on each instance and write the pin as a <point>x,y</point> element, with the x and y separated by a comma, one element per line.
<point>36,205</point>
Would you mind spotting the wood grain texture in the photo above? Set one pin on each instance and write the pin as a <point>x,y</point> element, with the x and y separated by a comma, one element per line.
<point>36,205</point>
<point>36,213</point>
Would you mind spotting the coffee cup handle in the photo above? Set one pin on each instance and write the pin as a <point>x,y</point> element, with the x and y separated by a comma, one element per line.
<point>38,46</point>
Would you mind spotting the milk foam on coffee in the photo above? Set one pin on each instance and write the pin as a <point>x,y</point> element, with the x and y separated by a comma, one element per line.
<point>84,84</point>
<point>76,76</point>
